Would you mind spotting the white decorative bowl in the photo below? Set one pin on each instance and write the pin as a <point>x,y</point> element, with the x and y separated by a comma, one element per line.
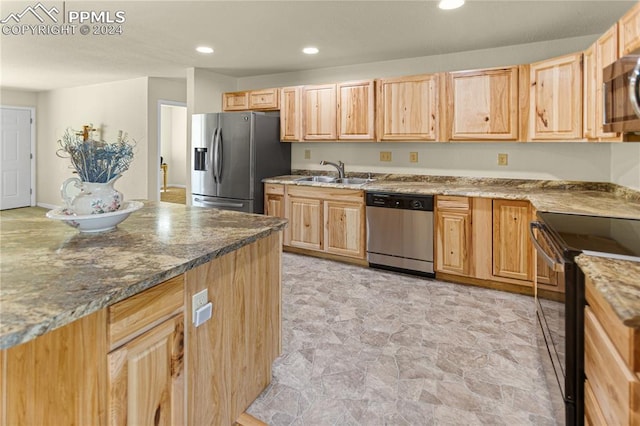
<point>95,222</point>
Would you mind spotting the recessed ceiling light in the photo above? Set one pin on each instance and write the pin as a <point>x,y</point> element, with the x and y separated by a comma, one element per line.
<point>204,49</point>
<point>310,50</point>
<point>450,4</point>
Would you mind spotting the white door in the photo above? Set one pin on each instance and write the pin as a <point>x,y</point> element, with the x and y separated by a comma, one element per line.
<point>15,158</point>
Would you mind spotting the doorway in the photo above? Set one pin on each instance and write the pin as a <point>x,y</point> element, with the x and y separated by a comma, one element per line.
<point>17,143</point>
<point>173,152</point>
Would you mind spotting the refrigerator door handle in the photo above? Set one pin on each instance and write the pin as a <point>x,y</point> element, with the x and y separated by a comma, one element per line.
<point>219,203</point>
<point>213,157</point>
<point>218,156</point>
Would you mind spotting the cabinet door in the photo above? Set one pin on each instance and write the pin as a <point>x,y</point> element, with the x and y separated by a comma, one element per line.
<point>589,72</point>
<point>319,112</point>
<point>555,110</point>
<point>344,230</point>
<point>629,31</point>
<point>305,223</point>
<point>407,108</point>
<point>453,241</point>
<point>483,104</point>
<point>606,53</point>
<point>356,110</point>
<point>291,114</point>
<point>512,250</point>
<point>146,380</point>
<point>267,99</point>
<point>235,101</point>
<point>274,205</point>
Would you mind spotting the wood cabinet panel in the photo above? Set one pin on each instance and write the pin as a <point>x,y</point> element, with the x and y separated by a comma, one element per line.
<point>512,250</point>
<point>319,112</point>
<point>235,101</point>
<point>345,228</point>
<point>229,357</point>
<point>306,224</point>
<point>629,31</point>
<point>266,99</point>
<point>147,377</point>
<point>589,72</point>
<point>58,378</point>
<point>555,111</point>
<point>616,389</point>
<point>139,313</point>
<point>291,114</point>
<point>483,104</point>
<point>592,412</point>
<point>356,110</point>
<point>453,241</point>
<point>625,339</point>
<point>408,108</point>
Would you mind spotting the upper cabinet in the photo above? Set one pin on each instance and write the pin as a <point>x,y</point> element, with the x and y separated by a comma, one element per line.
<point>629,31</point>
<point>291,114</point>
<point>601,54</point>
<point>407,108</point>
<point>319,112</point>
<point>356,110</point>
<point>265,99</point>
<point>483,104</point>
<point>555,99</point>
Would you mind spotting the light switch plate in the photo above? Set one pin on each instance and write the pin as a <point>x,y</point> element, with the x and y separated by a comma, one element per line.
<point>413,157</point>
<point>307,154</point>
<point>385,155</point>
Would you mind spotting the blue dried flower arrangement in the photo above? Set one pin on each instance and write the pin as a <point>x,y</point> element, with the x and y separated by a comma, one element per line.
<point>95,161</point>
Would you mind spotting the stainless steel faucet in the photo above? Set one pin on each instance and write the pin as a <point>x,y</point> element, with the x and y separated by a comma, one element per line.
<point>339,166</point>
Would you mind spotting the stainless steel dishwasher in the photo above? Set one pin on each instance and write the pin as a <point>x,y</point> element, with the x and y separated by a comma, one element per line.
<point>400,232</point>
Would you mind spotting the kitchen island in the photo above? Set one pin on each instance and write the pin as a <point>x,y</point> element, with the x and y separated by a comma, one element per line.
<point>86,321</point>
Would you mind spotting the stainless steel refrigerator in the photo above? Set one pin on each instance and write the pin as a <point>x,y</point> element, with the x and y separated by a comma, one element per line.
<point>232,153</point>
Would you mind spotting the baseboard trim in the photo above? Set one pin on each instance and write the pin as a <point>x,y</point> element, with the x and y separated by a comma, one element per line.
<point>47,206</point>
<point>494,285</point>
<point>322,255</point>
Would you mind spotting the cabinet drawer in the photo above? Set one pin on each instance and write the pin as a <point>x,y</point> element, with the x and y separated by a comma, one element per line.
<point>616,389</point>
<point>274,188</point>
<point>449,202</point>
<point>137,314</point>
<point>264,99</point>
<point>625,339</point>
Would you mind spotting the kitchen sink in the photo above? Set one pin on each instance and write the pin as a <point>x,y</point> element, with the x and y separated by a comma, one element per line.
<point>325,179</point>
<point>353,181</point>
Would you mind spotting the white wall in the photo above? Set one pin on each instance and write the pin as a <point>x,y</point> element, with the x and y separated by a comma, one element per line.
<point>21,98</point>
<point>555,161</point>
<point>111,107</point>
<point>173,140</point>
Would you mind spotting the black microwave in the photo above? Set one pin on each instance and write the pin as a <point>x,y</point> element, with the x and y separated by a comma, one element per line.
<point>621,95</point>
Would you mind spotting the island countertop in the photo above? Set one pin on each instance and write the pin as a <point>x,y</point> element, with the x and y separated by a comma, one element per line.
<point>51,275</point>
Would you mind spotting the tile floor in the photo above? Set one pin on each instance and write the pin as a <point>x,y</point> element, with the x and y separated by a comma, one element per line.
<point>367,347</point>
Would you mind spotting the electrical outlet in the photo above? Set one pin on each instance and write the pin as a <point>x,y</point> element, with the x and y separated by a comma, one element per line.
<point>198,300</point>
<point>385,155</point>
<point>503,159</point>
<point>413,157</point>
<point>307,154</point>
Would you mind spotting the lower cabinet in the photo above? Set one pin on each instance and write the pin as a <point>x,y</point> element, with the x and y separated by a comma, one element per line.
<point>325,220</point>
<point>512,249</point>
<point>453,235</point>
<point>274,200</point>
<point>611,364</point>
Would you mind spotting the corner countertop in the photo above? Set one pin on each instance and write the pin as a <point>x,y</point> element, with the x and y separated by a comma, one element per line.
<point>51,275</point>
<point>617,280</point>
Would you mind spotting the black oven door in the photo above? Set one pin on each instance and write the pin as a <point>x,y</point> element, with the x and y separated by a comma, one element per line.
<point>552,327</point>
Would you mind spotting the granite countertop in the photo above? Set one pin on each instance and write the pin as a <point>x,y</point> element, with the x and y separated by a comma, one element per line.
<point>51,274</point>
<point>617,280</point>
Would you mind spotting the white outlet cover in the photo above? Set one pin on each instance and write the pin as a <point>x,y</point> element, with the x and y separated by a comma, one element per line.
<point>198,300</point>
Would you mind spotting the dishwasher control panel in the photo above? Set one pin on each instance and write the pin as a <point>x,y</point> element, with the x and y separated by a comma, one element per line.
<point>400,201</point>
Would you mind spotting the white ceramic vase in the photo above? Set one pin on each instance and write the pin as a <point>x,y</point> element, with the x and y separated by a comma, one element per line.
<point>94,198</point>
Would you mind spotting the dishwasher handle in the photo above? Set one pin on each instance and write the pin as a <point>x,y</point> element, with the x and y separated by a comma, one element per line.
<point>554,264</point>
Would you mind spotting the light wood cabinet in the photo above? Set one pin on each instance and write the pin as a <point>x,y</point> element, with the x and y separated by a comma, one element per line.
<point>291,114</point>
<point>264,99</point>
<point>483,104</point>
<point>327,220</point>
<point>602,53</point>
<point>629,31</point>
<point>555,99</point>
<point>355,115</point>
<point>229,357</point>
<point>453,235</point>
<point>512,250</point>
<point>319,112</point>
<point>408,108</point>
<point>274,200</point>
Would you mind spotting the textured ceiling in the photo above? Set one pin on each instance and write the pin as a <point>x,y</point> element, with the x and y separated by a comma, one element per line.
<point>263,37</point>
